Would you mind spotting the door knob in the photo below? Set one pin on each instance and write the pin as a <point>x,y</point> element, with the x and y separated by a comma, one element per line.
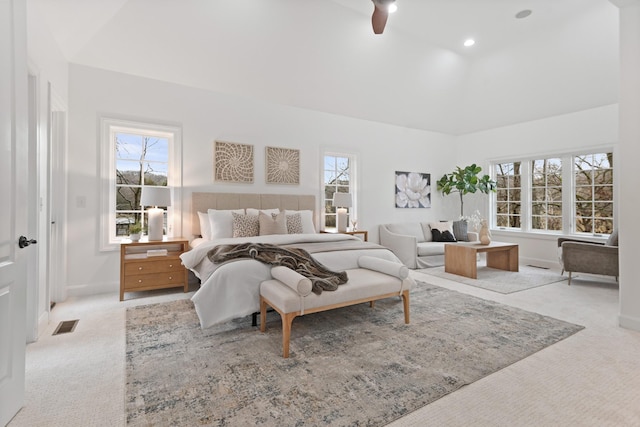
<point>23,242</point>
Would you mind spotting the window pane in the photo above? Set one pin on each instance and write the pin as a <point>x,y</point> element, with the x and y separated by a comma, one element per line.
<point>127,198</point>
<point>603,193</point>
<point>128,146</point>
<point>584,193</point>
<point>155,173</point>
<point>603,210</point>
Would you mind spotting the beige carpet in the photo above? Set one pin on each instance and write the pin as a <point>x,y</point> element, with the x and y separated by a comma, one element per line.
<point>350,366</point>
<point>590,380</point>
<point>502,281</point>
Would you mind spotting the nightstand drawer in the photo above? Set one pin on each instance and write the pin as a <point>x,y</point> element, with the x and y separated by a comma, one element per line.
<point>153,280</point>
<point>148,267</point>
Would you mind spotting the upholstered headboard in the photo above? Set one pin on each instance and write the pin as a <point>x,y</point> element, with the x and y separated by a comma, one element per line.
<point>202,202</point>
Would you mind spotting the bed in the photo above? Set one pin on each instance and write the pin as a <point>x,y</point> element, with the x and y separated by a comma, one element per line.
<point>230,289</point>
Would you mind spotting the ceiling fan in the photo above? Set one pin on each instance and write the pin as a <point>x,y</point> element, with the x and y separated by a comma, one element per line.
<point>380,14</point>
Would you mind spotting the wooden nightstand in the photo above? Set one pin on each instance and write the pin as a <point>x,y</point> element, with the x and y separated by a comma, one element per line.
<point>140,271</point>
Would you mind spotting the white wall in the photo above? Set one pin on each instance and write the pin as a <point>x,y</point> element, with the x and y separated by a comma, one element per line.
<point>206,116</point>
<point>596,127</point>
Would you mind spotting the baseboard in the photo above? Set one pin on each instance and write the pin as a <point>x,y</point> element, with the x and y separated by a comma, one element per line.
<point>628,322</point>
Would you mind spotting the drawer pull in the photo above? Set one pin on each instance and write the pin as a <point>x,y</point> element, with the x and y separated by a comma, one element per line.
<point>139,280</point>
<point>170,265</point>
<point>139,268</point>
<point>170,278</point>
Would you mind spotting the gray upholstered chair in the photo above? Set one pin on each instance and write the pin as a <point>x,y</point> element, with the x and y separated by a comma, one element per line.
<point>581,256</point>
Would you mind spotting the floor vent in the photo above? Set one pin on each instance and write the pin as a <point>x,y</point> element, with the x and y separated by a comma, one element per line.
<point>537,266</point>
<point>66,327</point>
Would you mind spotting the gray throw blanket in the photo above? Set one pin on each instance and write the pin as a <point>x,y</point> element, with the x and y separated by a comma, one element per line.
<point>296,259</point>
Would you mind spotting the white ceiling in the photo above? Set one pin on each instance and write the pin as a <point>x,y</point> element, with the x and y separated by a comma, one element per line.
<point>322,54</point>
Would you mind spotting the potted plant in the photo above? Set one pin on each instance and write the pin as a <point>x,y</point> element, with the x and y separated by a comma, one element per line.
<point>135,231</point>
<point>464,181</point>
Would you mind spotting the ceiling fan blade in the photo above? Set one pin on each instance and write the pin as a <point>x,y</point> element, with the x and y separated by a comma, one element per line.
<point>379,19</point>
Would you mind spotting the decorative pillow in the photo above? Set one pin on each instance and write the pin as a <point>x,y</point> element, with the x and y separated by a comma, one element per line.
<point>272,224</point>
<point>221,222</point>
<point>460,230</point>
<point>245,225</point>
<point>442,231</point>
<point>294,224</point>
<point>307,221</point>
<point>205,225</point>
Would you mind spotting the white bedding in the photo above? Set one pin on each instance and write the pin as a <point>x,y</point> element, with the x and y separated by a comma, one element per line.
<point>231,290</point>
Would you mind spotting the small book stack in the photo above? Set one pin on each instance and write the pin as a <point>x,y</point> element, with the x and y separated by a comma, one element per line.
<point>157,252</point>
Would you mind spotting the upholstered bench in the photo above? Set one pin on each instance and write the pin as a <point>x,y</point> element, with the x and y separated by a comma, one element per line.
<point>289,293</point>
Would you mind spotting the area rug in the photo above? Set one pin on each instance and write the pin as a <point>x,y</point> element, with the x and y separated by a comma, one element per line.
<point>504,282</point>
<point>351,366</point>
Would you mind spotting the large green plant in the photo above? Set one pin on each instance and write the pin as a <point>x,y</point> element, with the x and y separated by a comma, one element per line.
<point>465,181</point>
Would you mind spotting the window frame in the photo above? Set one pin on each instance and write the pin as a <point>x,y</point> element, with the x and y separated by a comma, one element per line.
<point>109,126</point>
<point>353,188</point>
<point>568,192</point>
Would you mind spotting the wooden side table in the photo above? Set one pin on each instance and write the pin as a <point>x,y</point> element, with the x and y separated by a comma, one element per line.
<point>145,265</point>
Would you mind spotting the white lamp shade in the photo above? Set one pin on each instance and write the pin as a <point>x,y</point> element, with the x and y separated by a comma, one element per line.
<point>342,200</point>
<point>155,196</point>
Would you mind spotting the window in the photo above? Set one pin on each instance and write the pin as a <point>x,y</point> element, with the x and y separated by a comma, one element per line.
<point>338,173</point>
<point>546,194</point>
<point>142,160</point>
<point>571,193</point>
<point>135,155</point>
<point>593,177</point>
<point>508,193</point>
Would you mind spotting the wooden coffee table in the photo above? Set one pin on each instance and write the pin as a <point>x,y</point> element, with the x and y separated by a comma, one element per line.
<point>461,258</point>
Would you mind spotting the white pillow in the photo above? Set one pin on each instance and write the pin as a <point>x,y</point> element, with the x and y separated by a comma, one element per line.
<point>221,222</point>
<point>205,225</point>
<point>255,212</point>
<point>307,221</point>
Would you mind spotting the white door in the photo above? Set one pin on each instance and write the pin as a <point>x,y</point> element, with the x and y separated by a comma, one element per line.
<point>13,204</point>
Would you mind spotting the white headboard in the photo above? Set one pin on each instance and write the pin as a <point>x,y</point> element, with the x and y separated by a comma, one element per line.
<point>201,202</point>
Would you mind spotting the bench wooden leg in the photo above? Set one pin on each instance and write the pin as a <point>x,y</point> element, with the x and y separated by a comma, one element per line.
<point>263,315</point>
<point>287,319</point>
<point>405,301</point>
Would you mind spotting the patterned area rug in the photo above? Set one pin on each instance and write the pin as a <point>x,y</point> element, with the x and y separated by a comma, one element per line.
<point>350,366</point>
<point>504,282</point>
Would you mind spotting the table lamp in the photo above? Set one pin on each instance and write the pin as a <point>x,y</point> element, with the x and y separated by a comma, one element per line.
<point>155,196</point>
<point>341,201</point>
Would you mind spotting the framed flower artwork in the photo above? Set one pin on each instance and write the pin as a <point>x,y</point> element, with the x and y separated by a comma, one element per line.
<point>413,190</point>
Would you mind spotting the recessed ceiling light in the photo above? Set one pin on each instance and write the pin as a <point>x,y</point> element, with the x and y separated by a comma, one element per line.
<point>523,14</point>
<point>469,42</point>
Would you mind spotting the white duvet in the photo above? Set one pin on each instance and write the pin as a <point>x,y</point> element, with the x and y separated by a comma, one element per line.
<point>231,290</point>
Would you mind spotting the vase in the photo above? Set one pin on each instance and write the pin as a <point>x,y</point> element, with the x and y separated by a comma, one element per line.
<point>485,234</point>
<point>135,237</point>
